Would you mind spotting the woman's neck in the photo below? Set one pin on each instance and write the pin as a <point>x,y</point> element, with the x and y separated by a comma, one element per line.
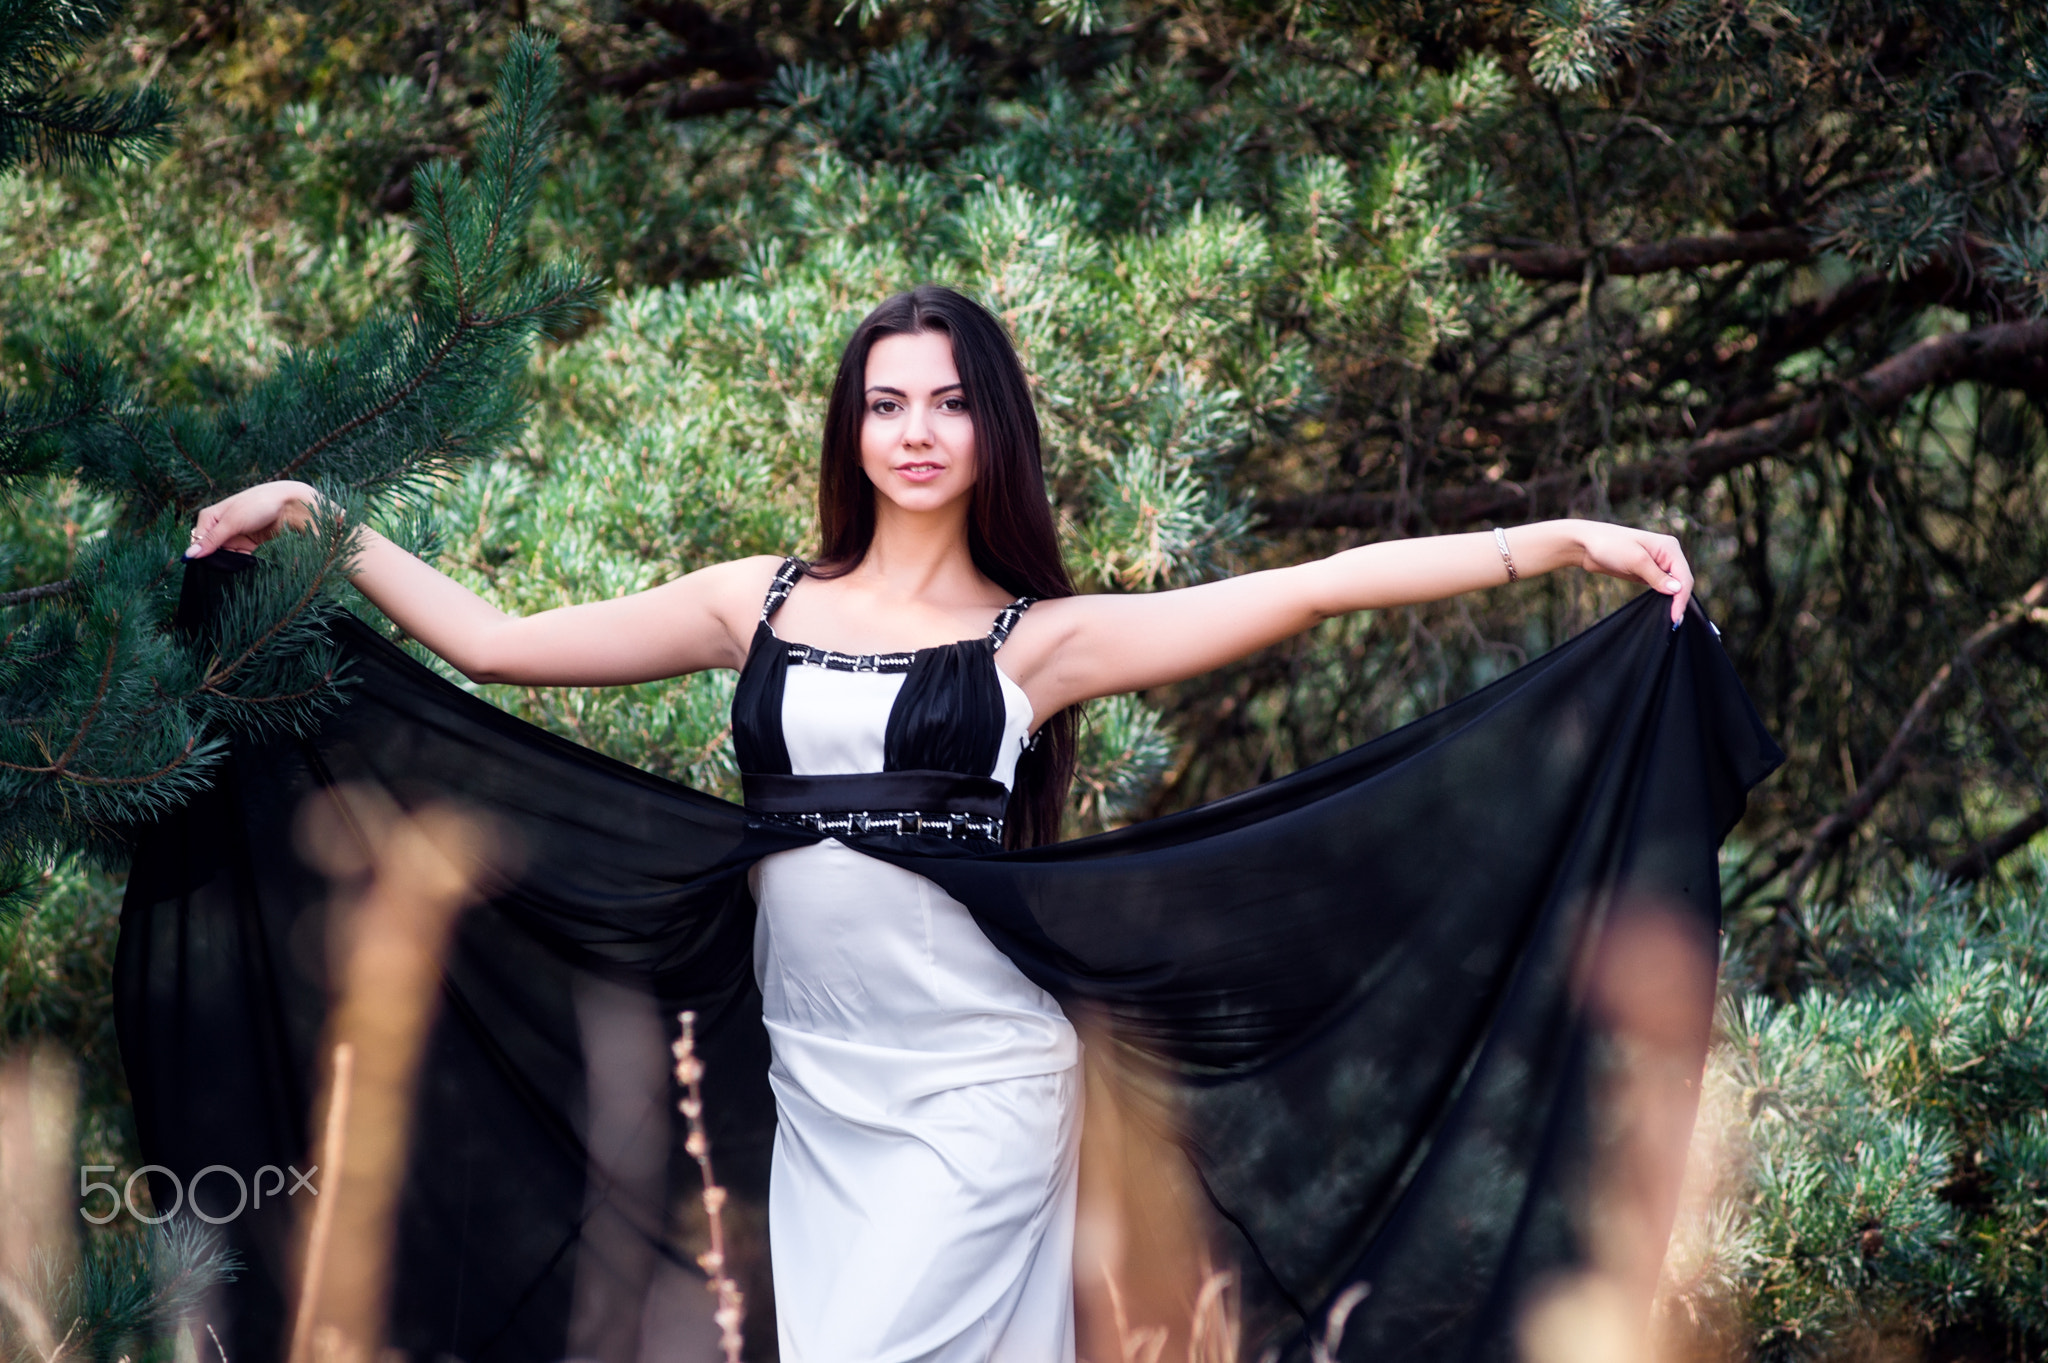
<point>920,556</point>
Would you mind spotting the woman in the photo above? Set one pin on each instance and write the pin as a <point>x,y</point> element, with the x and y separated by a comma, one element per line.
<point>926,1091</point>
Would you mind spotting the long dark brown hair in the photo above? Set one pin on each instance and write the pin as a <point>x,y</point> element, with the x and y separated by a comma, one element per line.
<point>1009,523</point>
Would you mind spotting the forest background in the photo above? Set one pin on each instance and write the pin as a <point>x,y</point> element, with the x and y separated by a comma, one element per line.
<point>1771,276</point>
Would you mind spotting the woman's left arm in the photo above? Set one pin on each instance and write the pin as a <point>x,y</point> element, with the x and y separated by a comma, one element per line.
<point>1080,647</point>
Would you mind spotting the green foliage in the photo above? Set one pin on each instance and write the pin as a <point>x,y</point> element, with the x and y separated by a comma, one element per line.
<point>37,39</point>
<point>127,1296</point>
<point>56,985</point>
<point>109,716</point>
<point>1579,42</point>
<point>1124,748</point>
<point>1889,1145</point>
<point>1897,228</point>
<point>1241,247</point>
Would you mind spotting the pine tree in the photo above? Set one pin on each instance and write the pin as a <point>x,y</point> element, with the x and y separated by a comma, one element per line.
<point>108,715</point>
<point>1287,277</point>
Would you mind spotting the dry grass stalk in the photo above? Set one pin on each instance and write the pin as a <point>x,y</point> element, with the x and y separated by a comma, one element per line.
<point>332,1152</point>
<point>1215,1335</point>
<point>1142,1256</point>
<point>1324,1350</point>
<point>38,1109</point>
<point>423,869</point>
<point>1651,986</point>
<point>28,1319</point>
<point>1135,1343</point>
<point>1698,1313</point>
<point>731,1310</point>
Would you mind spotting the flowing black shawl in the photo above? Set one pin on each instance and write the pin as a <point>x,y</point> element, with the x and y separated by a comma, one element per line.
<point>1359,989</point>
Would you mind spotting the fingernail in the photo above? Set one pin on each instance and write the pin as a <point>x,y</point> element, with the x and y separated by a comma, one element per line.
<point>1670,584</point>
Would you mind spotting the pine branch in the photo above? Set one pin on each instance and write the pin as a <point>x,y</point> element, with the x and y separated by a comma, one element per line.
<point>105,715</point>
<point>147,778</point>
<point>513,150</point>
<point>392,401</point>
<point>467,341</point>
<point>37,39</point>
<point>1678,253</point>
<point>1940,691</point>
<point>720,97</point>
<point>1961,279</point>
<point>2002,352</point>
<point>99,698</point>
<point>338,546</point>
<point>40,592</point>
<point>90,132</point>
<point>33,425</point>
<point>709,43</point>
<point>1976,863</point>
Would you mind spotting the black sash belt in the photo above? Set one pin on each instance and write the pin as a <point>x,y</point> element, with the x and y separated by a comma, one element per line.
<point>932,802</point>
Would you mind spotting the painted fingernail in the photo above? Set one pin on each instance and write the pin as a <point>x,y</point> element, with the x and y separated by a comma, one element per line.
<point>1670,584</point>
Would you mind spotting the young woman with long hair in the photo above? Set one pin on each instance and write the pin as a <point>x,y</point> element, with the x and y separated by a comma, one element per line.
<point>924,668</point>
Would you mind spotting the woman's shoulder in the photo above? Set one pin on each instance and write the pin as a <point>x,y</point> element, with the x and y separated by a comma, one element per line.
<point>755,571</point>
<point>732,590</point>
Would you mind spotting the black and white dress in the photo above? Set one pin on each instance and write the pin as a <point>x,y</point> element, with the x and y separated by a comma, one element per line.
<point>1350,1003</point>
<point>921,1199</point>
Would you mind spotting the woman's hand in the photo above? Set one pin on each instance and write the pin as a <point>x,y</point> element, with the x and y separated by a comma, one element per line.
<point>1638,556</point>
<point>252,516</point>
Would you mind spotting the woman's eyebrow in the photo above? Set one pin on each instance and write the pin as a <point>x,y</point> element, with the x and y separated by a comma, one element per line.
<point>898,392</point>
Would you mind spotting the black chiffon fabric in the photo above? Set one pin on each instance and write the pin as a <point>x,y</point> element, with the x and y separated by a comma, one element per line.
<point>1357,990</point>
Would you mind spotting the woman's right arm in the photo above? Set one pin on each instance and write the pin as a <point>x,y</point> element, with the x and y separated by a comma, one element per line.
<point>698,621</point>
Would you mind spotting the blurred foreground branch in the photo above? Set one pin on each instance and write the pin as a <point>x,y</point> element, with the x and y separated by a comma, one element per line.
<point>423,869</point>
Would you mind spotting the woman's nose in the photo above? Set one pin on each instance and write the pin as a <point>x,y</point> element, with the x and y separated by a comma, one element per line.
<point>917,429</point>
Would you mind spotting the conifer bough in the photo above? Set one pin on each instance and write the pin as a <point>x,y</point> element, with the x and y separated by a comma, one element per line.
<point>37,38</point>
<point>106,715</point>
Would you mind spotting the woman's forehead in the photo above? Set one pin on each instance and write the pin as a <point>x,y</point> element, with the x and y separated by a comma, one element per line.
<point>916,361</point>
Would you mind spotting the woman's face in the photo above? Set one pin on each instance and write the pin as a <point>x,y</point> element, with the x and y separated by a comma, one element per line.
<point>916,438</point>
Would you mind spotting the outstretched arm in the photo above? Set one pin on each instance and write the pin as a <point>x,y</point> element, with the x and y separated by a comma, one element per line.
<point>1080,647</point>
<point>698,621</point>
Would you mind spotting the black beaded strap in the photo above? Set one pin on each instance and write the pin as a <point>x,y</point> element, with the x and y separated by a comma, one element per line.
<point>857,822</point>
<point>1007,621</point>
<point>785,582</point>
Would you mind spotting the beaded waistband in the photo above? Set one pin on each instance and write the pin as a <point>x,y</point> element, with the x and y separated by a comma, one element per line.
<point>856,822</point>
<point>925,803</point>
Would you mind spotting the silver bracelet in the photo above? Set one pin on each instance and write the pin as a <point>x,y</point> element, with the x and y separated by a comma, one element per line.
<point>1500,542</point>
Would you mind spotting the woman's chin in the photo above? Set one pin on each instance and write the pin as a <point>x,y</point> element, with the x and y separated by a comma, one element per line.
<point>925,499</point>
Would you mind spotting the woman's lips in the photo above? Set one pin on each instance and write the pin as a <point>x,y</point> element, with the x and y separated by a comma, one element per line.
<point>919,473</point>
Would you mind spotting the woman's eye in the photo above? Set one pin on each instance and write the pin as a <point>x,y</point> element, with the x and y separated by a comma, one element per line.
<point>884,408</point>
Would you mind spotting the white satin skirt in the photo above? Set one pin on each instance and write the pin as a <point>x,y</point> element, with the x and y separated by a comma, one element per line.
<point>921,1201</point>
